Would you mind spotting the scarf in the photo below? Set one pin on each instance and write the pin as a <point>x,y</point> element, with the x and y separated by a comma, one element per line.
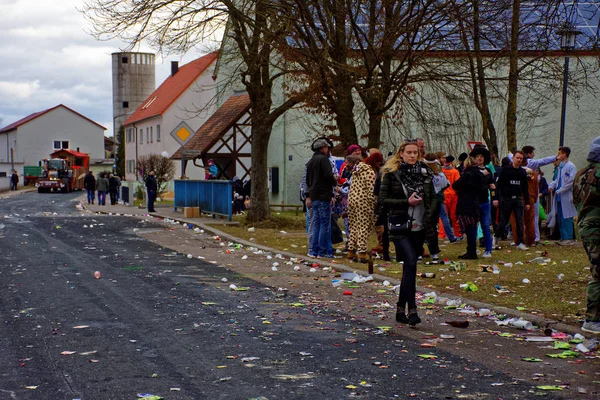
<point>414,176</point>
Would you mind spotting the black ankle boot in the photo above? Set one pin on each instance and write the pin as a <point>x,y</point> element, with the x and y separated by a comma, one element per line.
<point>401,317</point>
<point>401,313</point>
<point>413,318</point>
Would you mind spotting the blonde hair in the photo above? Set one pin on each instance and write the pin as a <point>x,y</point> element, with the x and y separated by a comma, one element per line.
<point>394,161</point>
<point>469,162</point>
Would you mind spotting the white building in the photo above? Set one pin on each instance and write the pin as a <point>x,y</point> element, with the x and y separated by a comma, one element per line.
<point>30,139</point>
<point>185,96</point>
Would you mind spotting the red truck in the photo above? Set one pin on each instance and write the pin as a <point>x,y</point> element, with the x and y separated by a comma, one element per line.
<point>64,171</point>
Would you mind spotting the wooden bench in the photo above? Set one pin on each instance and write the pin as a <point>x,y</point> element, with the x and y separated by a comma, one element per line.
<point>298,207</point>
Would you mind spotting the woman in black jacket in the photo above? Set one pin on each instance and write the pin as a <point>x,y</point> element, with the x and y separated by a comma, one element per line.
<point>468,188</point>
<point>407,194</point>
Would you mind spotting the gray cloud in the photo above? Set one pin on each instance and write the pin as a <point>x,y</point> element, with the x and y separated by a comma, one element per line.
<point>48,59</point>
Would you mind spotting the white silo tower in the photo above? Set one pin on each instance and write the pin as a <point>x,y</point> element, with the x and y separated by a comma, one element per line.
<point>133,80</point>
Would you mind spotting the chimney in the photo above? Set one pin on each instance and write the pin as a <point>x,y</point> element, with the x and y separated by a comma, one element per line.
<point>174,67</point>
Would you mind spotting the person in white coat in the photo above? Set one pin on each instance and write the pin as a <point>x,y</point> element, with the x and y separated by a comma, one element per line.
<point>562,188</point>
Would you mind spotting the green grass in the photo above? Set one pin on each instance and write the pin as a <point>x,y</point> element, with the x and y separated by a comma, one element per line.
<point>138,202</point>
<point>546,295</point>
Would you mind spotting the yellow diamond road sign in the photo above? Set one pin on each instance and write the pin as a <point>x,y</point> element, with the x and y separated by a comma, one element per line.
<point>183,133</point>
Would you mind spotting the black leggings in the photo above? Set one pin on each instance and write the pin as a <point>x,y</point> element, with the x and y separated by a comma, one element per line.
<point>406,249</point>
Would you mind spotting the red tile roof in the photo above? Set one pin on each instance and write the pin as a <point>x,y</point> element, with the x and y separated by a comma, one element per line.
<point>162,98</point>
<point>60,152</point>
<point>33,116</point>
<point>219,123</point>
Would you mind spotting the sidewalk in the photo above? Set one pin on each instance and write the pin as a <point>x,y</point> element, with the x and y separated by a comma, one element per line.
<point>208,224</point>
<point>21,190</point>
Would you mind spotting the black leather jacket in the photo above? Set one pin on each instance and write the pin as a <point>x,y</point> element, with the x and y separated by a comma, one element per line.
<point>394,201</point>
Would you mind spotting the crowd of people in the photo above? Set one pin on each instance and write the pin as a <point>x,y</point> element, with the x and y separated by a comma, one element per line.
<point>106,184</point>
<point>415,198</point>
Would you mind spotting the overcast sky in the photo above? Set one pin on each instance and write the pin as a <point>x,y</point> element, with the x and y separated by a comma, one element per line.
<point>47,58</point>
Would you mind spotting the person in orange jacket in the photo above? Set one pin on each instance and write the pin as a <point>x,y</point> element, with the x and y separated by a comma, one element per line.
<point>450,196</point>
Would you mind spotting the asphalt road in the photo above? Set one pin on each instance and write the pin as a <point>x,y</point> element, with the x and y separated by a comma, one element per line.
<point>158,322</point>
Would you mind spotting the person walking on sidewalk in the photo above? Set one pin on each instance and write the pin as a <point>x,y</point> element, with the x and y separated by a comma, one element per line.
<point>113,188</point>
<point>14,180</point>
<point>512,196</point>
<point>89,184</point>
<point>562,188</point>
<point>320,182</point>
<point>407,193</point>
<point>152,188</point>
<point>586,196</point>
<point>102,189</point>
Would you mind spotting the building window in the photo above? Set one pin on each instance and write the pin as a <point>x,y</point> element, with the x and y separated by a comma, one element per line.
<point>147,135</point>
<point>128,135</point>
<point>125,104</point>
<point>61,144</point>
<point>151,135</point>
<point>124,60</point>
<point>158,133</point>
<point>141,136</point>
<point>3,174</point>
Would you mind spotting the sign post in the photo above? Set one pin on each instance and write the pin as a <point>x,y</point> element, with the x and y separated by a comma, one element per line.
<point>183,134</point>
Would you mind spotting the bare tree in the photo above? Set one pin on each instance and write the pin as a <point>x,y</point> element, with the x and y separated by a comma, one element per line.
<point>393,40</point>
<point>255,26</point>
<point>319,44</point>
<point>518,37</point>
<point>163,167</point>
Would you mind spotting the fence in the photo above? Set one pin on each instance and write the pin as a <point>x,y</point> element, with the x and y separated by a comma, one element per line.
<point>212,196</point>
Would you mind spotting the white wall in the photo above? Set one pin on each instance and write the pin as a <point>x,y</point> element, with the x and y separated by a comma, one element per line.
<point>185,108</point>
<point>451,123</point>
<point>7,168</point>
<point>8,141</point>
<point>35,138</point>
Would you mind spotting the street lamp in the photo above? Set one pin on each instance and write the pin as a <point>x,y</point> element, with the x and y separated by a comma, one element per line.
<point>567,33</point>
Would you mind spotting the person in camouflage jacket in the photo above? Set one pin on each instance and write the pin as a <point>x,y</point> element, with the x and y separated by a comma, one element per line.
<point>586,196</point>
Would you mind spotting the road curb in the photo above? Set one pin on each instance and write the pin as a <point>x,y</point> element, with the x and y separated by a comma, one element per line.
<point>5,194</point>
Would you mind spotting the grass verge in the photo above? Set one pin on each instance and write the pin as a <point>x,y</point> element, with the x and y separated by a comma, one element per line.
<point>560,299</point>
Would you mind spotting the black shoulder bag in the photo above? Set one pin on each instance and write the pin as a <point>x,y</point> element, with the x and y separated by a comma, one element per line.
<point>400,224</point>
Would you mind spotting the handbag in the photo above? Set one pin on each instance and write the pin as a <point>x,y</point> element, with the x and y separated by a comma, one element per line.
<point>399,225</point>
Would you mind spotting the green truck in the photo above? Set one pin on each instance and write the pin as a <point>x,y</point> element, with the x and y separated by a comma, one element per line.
<point>31,174</point>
